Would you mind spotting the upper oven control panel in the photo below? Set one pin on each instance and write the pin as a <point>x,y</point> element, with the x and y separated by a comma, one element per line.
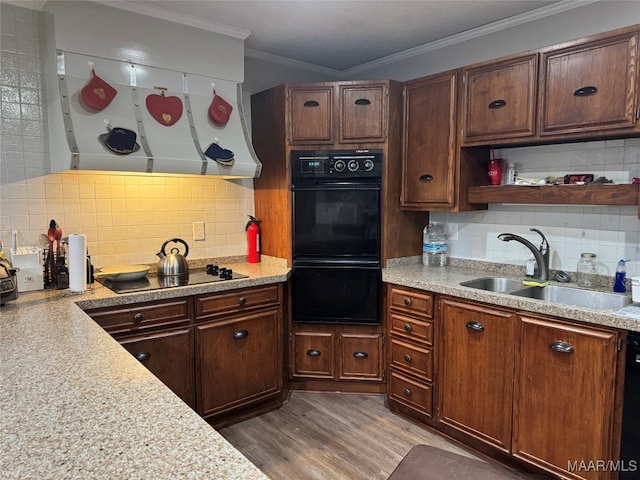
<point>336,164</point>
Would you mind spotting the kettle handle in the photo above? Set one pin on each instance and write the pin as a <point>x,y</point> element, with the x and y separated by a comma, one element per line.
<point>176,240</point>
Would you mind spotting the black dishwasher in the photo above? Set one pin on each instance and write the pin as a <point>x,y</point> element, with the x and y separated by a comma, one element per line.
<point>630,447</point>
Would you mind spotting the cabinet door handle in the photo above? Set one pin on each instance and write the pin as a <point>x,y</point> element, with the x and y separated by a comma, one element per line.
<point>585,91</point>
<point>497,104</point>
<point>407,392</point>
<point>363,101</point>
<point>407,328</point>
<point>360,354</point>
<point>138,317</point>
<point>426,177</point>
<point>313,352</point>
<point>561,347</point>
<point>242,301</point>
<point>142,356</point>
<point>407,358</point>
<point>241,334</point>
<point>475,326</point>
<point>311,103</point>
<point>407,301</point>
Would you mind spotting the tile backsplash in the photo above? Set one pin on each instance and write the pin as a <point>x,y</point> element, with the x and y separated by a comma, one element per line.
<point>127,218</point>
<point>611,232</point>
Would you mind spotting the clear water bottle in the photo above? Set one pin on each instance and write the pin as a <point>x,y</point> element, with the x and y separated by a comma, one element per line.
<point>434,245</point>
<point>586,269</point>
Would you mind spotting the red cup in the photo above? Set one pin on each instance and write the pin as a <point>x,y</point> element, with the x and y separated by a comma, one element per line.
<point>495,171</point>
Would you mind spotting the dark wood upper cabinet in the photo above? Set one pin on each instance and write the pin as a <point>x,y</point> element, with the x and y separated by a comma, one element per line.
<point>311,114</point>
<point>363,113</point>
<point>429,141</point>
<point>436,173</point>
<point>590,85</point>
<point>500,99</point>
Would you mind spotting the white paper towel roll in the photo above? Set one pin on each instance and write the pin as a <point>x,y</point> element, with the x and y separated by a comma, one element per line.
<point>77,262</point>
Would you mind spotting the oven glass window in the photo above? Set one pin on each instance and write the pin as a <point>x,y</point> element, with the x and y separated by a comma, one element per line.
<point>337,222</point>
<point>331,294</point>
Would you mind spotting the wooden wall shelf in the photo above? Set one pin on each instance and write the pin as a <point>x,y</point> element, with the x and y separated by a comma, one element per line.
<point>608,194</point>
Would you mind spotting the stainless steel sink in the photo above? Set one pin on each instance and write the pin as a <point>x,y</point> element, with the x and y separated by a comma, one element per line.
<point>494,284</point>
<point>575,297</point>
<point>552,293</point>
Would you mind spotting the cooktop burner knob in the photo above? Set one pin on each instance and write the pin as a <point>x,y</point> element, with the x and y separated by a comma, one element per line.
<point>212,269</point>
<point>339,165</point>
<point>368,165</point>
<point>353,165</point>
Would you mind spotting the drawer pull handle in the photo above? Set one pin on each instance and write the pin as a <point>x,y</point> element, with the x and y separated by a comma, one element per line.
<point>138,317</point>
<point>407,358</point>
<point>426,177</point>
<point>475,326</point>
<point>311,103</point>
<point>142,356</point>
<point>313,352</point>
<point>241,334</point>
<point>407,301</point>
<point>360,354</point>
<point>497,104</point>
<point>561,347</point>
<point>407,392</point>
<point>242,301</point>
<point>585,91</point>
<point>407,328</point>
<point>363,101</point>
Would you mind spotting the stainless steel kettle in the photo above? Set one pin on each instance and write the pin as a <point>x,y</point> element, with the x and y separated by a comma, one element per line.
<point>174,263</point>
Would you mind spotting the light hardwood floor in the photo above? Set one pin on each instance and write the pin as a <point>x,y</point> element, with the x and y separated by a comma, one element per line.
<point>330,436</point>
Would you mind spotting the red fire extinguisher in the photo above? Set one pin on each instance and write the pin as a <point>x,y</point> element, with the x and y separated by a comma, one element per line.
<point>253,239</point>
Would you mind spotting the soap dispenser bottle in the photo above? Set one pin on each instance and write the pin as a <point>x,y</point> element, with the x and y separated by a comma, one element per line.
<point>621,275</point>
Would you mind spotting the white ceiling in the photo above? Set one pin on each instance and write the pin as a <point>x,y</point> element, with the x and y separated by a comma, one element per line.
<point>339,35</point>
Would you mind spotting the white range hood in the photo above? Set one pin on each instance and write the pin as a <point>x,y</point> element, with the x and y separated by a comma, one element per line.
<point>137,55</point>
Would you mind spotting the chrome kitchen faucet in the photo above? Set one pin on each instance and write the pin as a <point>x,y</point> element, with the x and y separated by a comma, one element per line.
<point>541,254</point>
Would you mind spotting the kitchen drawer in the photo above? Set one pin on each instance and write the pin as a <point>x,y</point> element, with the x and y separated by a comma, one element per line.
<point>143,316</point>
<point>411,393</point>
<point>411,301</point>
<point>412,328</point>
<point>217,304</point>
<point>412,359</point>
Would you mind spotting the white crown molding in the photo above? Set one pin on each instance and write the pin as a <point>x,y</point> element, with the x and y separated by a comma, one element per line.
<point>516,20</point>
<point>171,16</point>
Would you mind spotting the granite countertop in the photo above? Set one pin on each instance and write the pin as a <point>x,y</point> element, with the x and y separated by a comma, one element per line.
<point>446,280</point>
<point>75,404</point>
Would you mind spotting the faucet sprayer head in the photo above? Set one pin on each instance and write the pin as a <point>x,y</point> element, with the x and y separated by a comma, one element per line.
<point>505,237</point>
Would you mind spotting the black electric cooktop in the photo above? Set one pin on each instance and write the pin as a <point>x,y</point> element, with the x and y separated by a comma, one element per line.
<point>155,282</point>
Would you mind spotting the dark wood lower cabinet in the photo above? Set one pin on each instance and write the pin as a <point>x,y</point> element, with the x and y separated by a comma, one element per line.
<point>565,397</point>
<point>222,353</point>
<point>534,391</point>
<point>238,361</point>
<point>167,354</point>
<point>477,361</point>
<point>330,357</point>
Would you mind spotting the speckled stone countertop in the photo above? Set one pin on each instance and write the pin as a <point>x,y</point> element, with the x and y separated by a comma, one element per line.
<point>446,280</point>
<point>76,405</point>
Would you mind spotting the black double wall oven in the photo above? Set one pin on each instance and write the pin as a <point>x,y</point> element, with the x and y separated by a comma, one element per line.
<point>336,236</point>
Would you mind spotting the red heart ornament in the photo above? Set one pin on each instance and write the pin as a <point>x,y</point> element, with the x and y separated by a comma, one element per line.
<point>166,110</point>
